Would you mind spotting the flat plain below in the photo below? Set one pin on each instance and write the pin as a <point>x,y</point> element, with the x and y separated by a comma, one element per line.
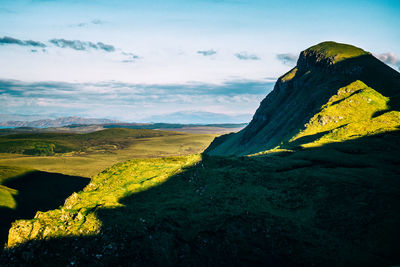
<point>93,160</point>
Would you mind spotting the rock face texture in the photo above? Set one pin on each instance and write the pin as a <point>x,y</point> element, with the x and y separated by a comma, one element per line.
<point>321,71</point>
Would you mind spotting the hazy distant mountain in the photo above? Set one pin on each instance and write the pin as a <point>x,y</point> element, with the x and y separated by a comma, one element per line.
<point>56,122</point>
<point>199,117</point>
<point>21,117</point>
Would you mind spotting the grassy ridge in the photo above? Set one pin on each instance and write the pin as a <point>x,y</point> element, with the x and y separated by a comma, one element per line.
<point>105,191</point>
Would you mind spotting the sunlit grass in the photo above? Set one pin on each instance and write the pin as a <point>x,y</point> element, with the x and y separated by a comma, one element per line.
<point>352,113</point>
<point>290,75</point>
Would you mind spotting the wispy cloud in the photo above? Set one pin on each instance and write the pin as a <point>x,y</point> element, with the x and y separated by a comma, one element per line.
<point>246,56</point>
<point>98,21</point>
<point>6,40</point>
<point>86,24</point>
<point>81,45</point>
<point>62,43</point>
<point>131,57</point>
<point>106,47</point>
<point>207,52</point>
<point>82,24</point>
<point>389,58</point>
<point>74,44</point>
<point>287,59</point>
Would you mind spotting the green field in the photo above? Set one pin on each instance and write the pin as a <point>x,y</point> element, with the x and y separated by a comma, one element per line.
<point>87,154</point>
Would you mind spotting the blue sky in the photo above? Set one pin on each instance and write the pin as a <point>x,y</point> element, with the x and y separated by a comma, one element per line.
<point>134,60</point>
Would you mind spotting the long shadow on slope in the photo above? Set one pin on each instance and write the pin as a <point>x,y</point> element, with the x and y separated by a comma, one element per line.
<point>37,191</point>
<point>334,205</point>
<point>304,140</point>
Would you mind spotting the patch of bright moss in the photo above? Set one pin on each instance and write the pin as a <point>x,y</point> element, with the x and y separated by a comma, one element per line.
<point>290,75</point>
<point>386,122</point>
<point>271,151</point>
<point>353,103</point>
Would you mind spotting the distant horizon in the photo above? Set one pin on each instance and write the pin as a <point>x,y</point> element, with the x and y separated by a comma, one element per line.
<point>131,60</point>
<point>8,118</point>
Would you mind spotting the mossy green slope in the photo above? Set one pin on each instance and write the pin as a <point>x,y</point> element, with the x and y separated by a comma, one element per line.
<point>355,111</point>
<point>304,92</point>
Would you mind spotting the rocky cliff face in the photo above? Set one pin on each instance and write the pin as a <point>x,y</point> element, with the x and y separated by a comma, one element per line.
<point>321,71</point>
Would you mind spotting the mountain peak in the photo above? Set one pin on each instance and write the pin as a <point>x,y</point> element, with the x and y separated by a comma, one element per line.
<point>301,102</point>
<point>327,54</point>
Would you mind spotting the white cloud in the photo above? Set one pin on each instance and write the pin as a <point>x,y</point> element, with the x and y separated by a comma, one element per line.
<point>389,58</point>
<point>287,58</point>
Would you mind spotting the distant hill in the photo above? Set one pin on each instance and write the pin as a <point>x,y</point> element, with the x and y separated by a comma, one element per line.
<point>199,117</point>
<point>335,93</point>
<point>173,120</point>
<point>45,123</point>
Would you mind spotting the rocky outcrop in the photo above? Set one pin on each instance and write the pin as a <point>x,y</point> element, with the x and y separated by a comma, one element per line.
<point>54,223</point>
